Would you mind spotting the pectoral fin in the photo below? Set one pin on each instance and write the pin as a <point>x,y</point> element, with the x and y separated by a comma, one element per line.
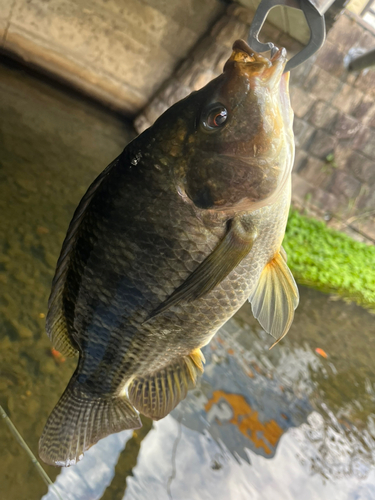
<point>156,395</point>
<point>276,297</point>
<point>212,271</point>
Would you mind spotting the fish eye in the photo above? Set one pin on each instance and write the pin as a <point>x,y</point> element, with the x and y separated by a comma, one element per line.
<point>214,117</point>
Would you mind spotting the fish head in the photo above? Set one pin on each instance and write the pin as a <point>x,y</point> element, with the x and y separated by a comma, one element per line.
<point>239,150</point>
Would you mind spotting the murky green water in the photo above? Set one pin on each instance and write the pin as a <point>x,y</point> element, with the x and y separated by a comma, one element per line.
<point>281,424</point>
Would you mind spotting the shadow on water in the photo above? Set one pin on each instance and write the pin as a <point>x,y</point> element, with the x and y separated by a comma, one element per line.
<point>281,424</point>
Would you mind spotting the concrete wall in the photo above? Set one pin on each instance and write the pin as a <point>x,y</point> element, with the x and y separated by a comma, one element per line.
<point>147,54</point>
<point>119,51</point>
<point>357,6</point>
<point>334,172</point>
<point>335,130</point>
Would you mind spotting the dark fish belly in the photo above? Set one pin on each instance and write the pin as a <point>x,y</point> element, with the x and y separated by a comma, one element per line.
<point>141,349</point>
<point>135,247</point>
<point>190,325</point>
<point>129,346</point>
<point>131,269</point>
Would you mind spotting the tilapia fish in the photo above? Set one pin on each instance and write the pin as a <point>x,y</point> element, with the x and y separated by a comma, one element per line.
<point>166,245</point>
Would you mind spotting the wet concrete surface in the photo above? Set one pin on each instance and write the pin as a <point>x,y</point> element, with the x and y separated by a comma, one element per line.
<point>281,424</point>
<point>52,146</point>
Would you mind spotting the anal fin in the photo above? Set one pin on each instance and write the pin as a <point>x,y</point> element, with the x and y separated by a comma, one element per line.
<point>276,297</point>
<point>158,394</point>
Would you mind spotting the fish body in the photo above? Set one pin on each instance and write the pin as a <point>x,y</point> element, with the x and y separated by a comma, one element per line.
<point>166,245</point>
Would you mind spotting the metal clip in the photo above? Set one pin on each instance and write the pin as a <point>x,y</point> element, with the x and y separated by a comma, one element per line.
<point>315,21</point>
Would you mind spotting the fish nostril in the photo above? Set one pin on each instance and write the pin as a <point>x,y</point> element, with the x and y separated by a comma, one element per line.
<point>202,198</point>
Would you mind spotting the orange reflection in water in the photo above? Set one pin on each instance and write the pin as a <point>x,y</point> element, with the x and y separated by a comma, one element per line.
<point>247,420</point>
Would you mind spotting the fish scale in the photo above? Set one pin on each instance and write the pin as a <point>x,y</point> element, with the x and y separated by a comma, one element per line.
<point>166,245</point>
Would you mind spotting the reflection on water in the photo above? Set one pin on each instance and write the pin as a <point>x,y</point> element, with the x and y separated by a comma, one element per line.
<point>258,425</point>
<point>279,424</point>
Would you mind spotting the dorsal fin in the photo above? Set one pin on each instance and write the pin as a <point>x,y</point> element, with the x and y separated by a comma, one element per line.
<point>56,322</point>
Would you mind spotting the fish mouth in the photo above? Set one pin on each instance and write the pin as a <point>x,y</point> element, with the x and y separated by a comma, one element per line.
<point>243,53</point>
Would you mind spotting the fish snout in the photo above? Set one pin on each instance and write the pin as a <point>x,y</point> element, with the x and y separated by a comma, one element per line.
<point>255,65</point>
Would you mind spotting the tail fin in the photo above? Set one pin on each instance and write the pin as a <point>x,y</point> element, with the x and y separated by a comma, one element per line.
<point>80,420</point>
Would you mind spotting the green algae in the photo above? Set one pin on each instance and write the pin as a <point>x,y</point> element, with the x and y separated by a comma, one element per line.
<point>330,261</point>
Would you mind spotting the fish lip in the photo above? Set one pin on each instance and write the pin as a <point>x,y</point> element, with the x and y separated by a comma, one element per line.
<point>242,45</point>
<point>277,54</point>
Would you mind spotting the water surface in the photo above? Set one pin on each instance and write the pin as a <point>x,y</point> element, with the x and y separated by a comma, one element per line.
<point>280,424</point>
